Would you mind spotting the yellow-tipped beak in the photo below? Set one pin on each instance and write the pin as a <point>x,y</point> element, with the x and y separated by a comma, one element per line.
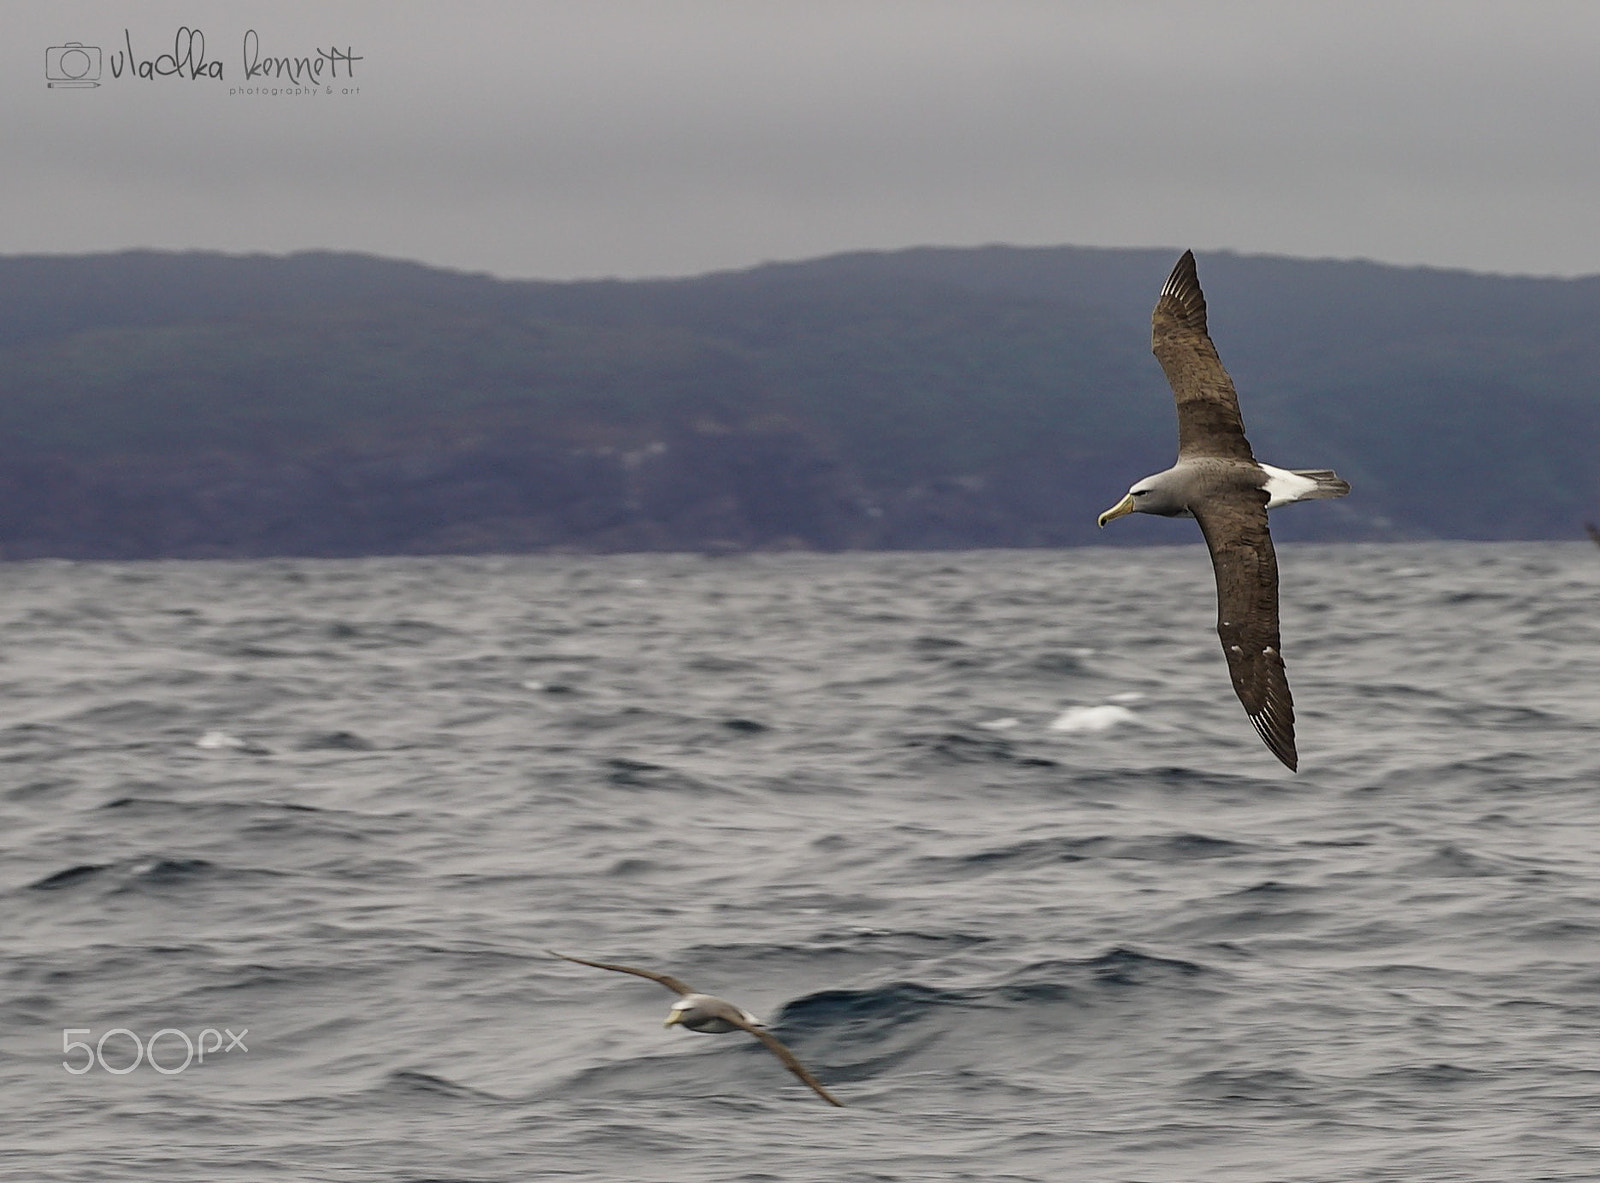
<point>1117,510</point>
<point>674,1018</point>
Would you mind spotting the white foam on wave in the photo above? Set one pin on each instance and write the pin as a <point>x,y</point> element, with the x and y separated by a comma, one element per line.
<point>217,741</point>
<point>1089,719</point>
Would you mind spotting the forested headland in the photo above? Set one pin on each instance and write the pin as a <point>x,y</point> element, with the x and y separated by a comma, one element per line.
<point>191,404</point>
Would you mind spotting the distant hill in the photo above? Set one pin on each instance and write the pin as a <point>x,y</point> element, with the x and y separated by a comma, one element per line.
<point>196,404</point>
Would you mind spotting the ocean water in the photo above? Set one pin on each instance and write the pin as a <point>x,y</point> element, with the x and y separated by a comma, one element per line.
<point>985,836</point>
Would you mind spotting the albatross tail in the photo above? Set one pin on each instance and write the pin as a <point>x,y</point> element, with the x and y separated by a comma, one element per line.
<point>1302,484</point>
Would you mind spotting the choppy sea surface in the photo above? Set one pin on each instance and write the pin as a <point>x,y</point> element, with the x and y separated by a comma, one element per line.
<point>984,836</point>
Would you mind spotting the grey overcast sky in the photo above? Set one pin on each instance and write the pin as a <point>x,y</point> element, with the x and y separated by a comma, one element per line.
<point>578,138</point>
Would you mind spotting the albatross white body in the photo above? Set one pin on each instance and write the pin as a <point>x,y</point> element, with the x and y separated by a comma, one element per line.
<point>709,1014</point>
<point>1283,486</point>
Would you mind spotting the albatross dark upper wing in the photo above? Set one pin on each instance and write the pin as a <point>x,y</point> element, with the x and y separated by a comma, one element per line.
<point>667,980</point>
<point>1234,523</point>
<point>1208,407</point>
<point>787,1058</point>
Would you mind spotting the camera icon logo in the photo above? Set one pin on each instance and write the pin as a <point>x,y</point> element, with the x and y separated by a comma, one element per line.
<point>72,65</point>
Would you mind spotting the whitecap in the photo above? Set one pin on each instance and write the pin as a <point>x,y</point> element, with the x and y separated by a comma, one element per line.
<point>1100,718</point>
<point>216,741</point>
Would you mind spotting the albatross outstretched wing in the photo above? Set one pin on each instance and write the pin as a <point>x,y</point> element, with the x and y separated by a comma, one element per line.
<point>671,983</point>
<point>1208,406</point>
<point>787,1057</point>
<point>1235,528</point>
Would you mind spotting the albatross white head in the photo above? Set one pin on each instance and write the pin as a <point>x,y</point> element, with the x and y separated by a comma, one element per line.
<point>1158,494</point>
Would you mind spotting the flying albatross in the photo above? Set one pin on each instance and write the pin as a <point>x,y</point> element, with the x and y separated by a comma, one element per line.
<point>706,1012</point>
<point>1218,482</point>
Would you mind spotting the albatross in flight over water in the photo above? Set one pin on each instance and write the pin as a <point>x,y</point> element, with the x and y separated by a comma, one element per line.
<point>716,1016</point>
<point>1218,482</point>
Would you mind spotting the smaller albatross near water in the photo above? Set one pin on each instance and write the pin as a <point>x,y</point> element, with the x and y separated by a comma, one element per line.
<point>706,1012</point>
<point>1218,482</point>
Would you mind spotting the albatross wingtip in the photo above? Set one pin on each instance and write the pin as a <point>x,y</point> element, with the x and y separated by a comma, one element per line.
<point>1185,266</point>
<point>1182,299</point>
<point>1279,742</point>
